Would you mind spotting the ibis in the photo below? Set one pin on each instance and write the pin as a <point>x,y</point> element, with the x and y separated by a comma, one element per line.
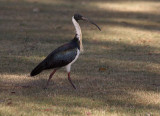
<point>65,55</point>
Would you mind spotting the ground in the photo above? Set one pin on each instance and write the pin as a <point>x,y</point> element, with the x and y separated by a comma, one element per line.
<point>118,73</point>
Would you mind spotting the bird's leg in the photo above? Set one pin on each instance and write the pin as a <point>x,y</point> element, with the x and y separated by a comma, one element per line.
<point>71,81</point>
<point>50,76</point>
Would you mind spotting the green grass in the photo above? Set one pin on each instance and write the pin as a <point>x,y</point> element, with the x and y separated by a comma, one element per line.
<point>117,75</point>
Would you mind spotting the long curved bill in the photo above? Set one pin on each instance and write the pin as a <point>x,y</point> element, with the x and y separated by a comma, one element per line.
<point>85,19</point>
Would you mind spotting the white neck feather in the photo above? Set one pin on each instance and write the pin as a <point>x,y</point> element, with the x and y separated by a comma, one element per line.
<point>78,32</point>
<point>77,27</point>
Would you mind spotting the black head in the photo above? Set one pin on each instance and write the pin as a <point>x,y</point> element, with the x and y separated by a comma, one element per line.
<point>77,17</point>
<point>80,17</point>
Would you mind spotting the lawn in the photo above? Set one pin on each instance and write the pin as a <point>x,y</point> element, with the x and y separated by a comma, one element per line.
<point>118,74</point>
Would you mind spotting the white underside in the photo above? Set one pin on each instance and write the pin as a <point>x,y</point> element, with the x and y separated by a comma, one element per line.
<point>68,67</point>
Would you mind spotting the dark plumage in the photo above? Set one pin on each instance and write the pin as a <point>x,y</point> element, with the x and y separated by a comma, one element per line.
<point>60,57</point>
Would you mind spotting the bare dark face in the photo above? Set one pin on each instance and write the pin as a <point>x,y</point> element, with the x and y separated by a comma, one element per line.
<point>80,17</point>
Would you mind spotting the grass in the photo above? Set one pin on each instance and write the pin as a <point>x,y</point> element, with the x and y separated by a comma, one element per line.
<point>117,75</point>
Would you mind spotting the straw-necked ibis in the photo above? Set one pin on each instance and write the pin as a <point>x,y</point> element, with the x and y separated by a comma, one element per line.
<point>65,55</point>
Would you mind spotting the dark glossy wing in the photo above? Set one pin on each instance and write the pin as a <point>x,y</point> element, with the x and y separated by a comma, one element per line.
<point>61,56</point>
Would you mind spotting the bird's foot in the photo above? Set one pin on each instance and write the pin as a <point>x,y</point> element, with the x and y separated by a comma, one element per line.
<point>73,86</point>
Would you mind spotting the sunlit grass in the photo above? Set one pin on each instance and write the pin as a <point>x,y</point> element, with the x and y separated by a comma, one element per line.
<point>130,6</point>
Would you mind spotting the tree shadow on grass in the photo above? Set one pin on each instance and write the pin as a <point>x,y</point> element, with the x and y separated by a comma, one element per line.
<point>107,88</point>
<point>60,12</point>
<point>117,52</point>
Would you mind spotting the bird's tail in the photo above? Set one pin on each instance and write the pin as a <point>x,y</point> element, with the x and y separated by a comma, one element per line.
<point>38,69</point>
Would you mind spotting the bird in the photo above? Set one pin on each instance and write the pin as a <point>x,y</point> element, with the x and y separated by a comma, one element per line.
<point>65,55</point>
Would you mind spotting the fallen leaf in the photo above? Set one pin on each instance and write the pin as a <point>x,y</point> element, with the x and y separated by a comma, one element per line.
<point>149,53</point>
<point>9,103</point>
<point>13,92</point>
<point>47,110</point>
<point>102,69</point>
